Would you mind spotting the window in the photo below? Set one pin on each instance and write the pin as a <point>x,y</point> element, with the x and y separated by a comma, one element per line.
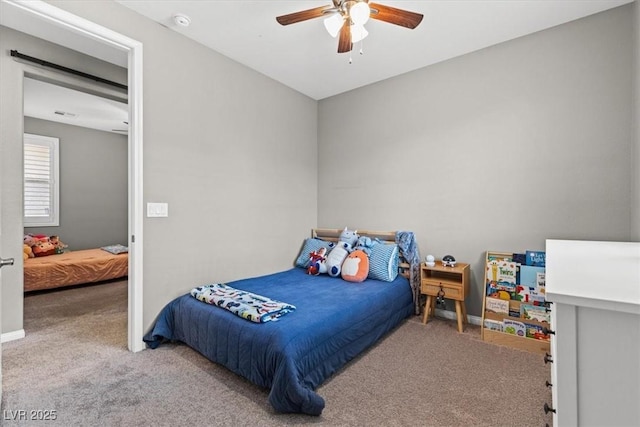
<point>41,186</point>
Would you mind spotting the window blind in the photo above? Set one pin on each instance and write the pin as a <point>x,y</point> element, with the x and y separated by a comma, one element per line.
<point>40,180</point>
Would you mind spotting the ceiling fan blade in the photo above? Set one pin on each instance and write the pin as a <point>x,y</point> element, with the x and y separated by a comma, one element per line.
<point>304,15</point>
<point>395,16</point>
<point>344,42</point>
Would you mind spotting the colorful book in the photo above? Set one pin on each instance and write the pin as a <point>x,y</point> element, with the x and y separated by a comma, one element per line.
<point>540,280</point>
<point>493,325</point>
<point>536,258</point>
<point>502,290</point>
<point>534,312</point>
<point>536,332</point>
<point>530,276</point>
<point>501,271</point>
<point>537,297</point>
<point>496,305</point>
<point>514,327</point>
<point>514,312</point>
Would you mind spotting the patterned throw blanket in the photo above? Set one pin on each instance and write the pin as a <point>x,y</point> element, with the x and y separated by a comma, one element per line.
<point>249,306</point>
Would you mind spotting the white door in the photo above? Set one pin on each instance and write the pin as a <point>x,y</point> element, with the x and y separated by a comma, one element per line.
<point>4,262</point>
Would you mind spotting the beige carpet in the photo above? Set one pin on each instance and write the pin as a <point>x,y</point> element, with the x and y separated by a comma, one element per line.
<point>74,361</point>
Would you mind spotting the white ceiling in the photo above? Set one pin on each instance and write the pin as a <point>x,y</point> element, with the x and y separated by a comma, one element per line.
<point>303,55</point>
<point>58,104</point>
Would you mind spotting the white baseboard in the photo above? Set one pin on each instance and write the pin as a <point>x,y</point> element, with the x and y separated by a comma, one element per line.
<point>12,336</point>
<point>474,320</point>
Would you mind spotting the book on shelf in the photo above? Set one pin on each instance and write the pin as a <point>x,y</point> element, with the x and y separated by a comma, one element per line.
<point>531,276</point>
<point>497,305</point>
<point>537,297</point>
<point>494,325</point>
<point>540,280</point>
<point>536,332</point>
<point>502,290</point>
<point>534,312</point>
<point>514,327</point>
<point>519,259</point>
<point>536,258</point>
<point>501,271</point>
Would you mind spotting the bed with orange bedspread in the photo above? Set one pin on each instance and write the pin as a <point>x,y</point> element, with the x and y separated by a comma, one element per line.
<point>73,268</point>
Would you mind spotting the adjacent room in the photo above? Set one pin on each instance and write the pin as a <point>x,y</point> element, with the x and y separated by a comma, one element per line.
<point>333,212</point>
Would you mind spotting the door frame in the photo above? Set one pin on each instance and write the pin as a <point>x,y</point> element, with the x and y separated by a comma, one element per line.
<point>133,48</point>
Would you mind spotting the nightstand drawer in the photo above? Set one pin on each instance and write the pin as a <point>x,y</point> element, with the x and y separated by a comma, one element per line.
<point>432,287</point>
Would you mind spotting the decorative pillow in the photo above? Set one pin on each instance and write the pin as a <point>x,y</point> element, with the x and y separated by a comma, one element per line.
<point>383,262</point>
<point>311,245</point>
<point>355,267</point>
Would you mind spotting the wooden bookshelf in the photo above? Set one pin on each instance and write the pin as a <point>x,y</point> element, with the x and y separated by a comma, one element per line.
<point>502,338</point>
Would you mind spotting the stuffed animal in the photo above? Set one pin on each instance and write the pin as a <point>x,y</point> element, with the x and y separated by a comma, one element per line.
<point>365,244</point>
<point>44,248</point>
<point>57,243</point>
<point>355,267</point>
<point>27,252</point>
<point>347,240</point>
<point>29,240</point>
<point>317,262</point>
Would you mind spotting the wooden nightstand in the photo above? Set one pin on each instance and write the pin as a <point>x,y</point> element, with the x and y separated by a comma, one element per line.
<point>451,282</point>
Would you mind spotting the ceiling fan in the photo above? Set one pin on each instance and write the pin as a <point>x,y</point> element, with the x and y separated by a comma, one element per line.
<point>347,18</point>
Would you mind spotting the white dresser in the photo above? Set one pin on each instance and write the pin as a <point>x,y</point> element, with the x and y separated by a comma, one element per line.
<point>595,373</point>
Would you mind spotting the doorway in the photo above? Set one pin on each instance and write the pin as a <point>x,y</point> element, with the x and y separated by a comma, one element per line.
<point>77,27</point>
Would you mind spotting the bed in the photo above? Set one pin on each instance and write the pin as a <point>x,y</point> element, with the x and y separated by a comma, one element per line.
<point>333,321</point>
<point>73,268</point>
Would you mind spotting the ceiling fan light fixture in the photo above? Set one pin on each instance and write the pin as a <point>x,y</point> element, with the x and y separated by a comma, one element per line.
<point>358,32</point>
<point>333,24</point>
<point>360,13</point>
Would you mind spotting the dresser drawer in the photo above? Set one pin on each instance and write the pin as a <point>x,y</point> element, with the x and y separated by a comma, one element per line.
<point>432,287</point>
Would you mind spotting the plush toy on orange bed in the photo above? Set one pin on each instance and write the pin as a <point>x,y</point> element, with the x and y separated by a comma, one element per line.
<point>355,267</point>
<point>57,243</point>
<point>27,252</point>
<point>44,248</point>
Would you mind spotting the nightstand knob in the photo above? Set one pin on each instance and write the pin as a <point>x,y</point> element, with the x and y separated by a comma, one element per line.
<point>547,358</point>
<point>440,297</point>
<point>548,409</point>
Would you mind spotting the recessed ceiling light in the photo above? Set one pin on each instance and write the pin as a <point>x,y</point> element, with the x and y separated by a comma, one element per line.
<point>182,20</point>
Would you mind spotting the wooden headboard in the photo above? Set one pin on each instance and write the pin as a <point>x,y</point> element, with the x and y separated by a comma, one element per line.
<point>388,237</point>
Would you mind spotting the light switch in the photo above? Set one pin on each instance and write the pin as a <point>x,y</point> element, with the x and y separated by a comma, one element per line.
<point>156,210</point>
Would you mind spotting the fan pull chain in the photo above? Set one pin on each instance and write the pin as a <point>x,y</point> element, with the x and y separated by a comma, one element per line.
<point>361,52</point>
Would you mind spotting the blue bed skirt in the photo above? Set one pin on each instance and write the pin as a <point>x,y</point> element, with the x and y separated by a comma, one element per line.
<point>334,321</point>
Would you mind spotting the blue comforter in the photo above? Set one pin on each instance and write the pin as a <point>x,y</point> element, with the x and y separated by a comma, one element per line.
<point>334,321</point>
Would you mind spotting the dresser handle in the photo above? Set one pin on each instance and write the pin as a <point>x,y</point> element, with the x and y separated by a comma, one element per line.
<point>547,358</point>
<point>548,384</point>
<point>548,331</point>
<point>548,409</point>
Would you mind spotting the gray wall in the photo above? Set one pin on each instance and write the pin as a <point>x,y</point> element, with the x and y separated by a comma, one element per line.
<point>233,152</point>
<point>93,185</point>
<point>495,150</point>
